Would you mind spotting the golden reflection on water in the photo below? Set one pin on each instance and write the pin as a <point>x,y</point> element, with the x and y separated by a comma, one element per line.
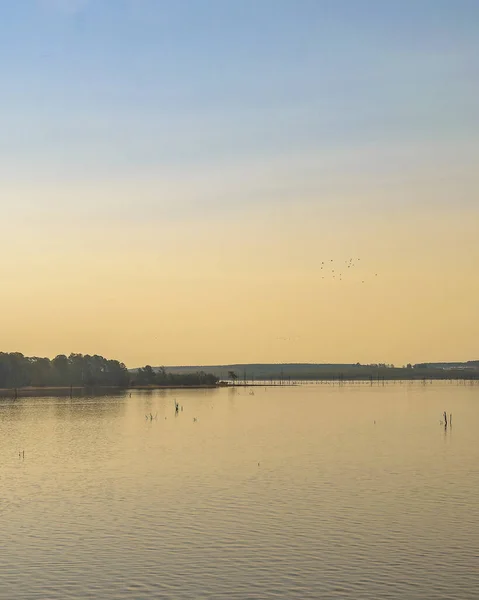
<point>351,491</point>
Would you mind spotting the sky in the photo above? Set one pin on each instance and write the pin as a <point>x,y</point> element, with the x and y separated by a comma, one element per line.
<point>174,174</point>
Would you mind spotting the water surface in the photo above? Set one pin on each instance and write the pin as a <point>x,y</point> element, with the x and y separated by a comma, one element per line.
<point>314,491</point>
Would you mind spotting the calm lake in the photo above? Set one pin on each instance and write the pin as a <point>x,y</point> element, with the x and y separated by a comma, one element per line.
<point>315,491</point>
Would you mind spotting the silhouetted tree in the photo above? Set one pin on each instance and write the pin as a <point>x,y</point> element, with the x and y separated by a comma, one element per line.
<point>17,370</point>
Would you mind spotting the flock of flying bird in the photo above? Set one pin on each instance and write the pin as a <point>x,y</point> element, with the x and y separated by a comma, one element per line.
<point>331,270</point>
<point>337,270</point>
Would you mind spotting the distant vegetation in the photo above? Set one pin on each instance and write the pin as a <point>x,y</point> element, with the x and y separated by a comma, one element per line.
<point>78,370</point>
<point>161,377</point>
<point>17,370</point>
<point>238,373</point>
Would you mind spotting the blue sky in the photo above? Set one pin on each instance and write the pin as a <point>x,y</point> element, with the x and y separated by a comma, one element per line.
<point>94,88</point>
<point>211,154</point>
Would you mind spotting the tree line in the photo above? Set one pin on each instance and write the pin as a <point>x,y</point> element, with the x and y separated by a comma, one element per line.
<point>149,376</point>
<point>79,370</point>
<point>356,372</point>
<point>17,370</point>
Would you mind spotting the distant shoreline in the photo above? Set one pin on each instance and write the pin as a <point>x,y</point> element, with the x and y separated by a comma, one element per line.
<point>79,391</point>
<point>25,392</point>
<point>92,375</point>
<point>173,387</point>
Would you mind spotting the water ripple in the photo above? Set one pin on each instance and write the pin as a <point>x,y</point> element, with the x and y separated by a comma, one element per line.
<point>256,499</point>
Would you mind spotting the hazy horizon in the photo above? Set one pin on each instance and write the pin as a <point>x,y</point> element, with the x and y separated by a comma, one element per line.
<point>265,363</point>
<point>174,174</point>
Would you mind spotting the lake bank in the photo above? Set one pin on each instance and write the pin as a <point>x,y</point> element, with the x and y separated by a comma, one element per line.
<point>66,391</point>
<point>79,391</point>
<point>29,392</point>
